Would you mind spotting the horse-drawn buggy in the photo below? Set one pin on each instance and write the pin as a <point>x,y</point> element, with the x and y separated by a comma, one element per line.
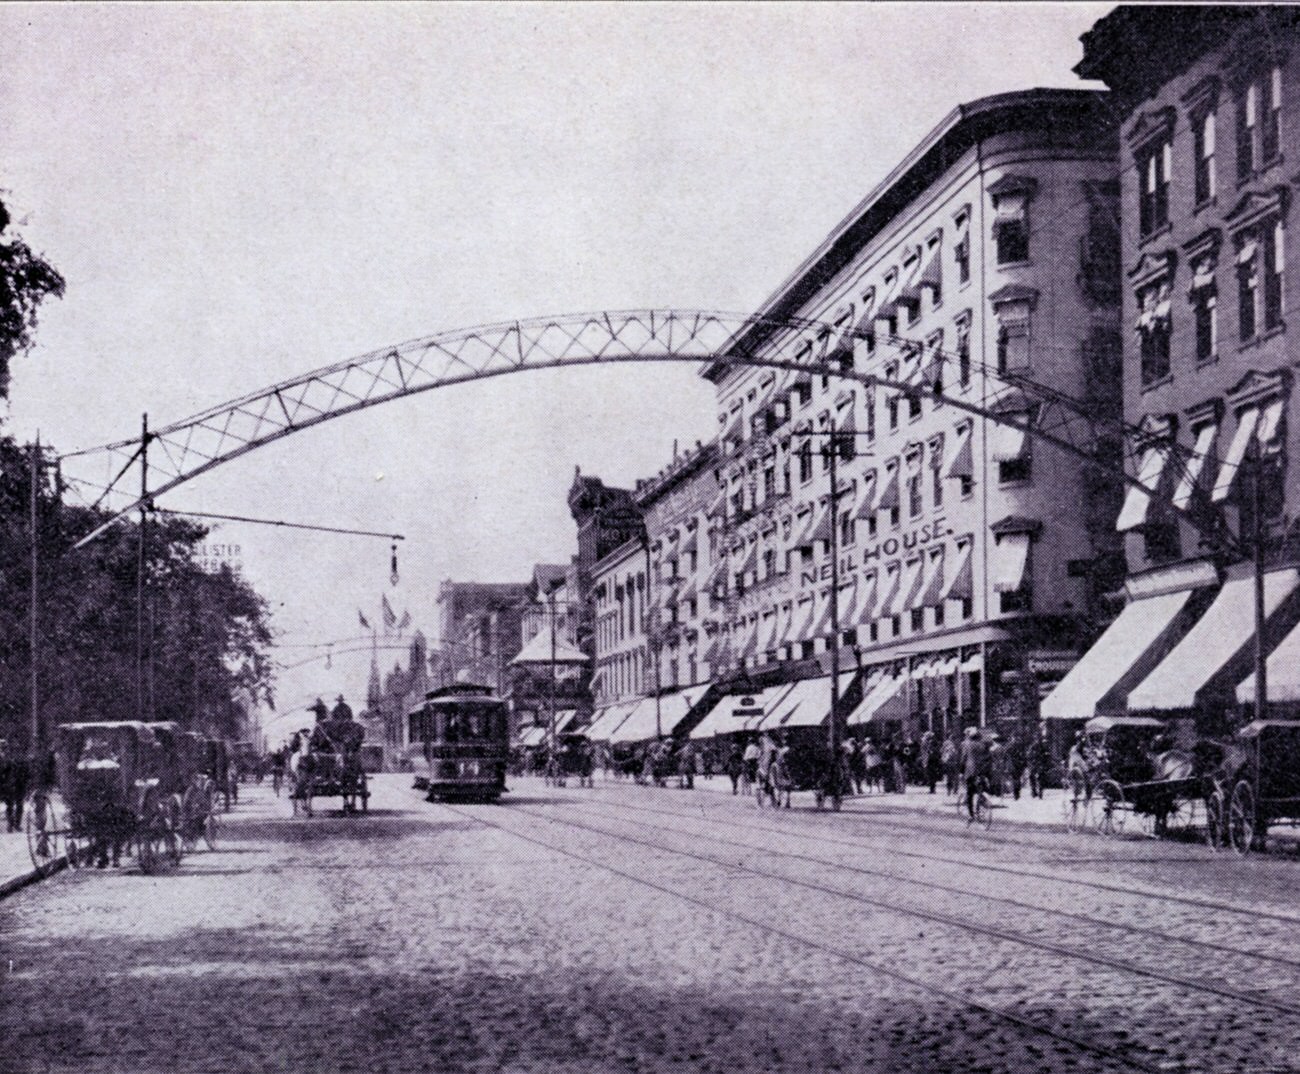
<point>186,765</point>
<point>1257,785</point>
<point>329,765</point>
<point>119,791</point>
<point>1125,773</point>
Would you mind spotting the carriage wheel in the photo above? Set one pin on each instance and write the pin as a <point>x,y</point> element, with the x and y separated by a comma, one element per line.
<point>45,833</point>
<point>1241,818</point>
<point>1216,833</point>
<point>1076,802</point>
<point>1113,810</point>
<point>172,817</point>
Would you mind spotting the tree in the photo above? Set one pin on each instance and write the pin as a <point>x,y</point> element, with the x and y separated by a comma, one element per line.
<point>26,281</point>
<point>207,632</point>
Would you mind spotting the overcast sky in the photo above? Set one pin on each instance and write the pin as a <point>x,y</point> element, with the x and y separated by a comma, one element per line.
<point>237,194</point>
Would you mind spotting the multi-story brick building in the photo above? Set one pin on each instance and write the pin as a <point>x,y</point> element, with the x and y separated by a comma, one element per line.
<point>1209,100</point>
<point>479,630</point>
<point>971,558</point>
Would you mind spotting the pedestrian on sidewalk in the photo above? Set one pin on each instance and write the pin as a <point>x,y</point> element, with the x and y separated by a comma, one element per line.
<point>14,773</point>
<point>976,766</point>
<point>1036,763</point>
<point>751,756</point>
<point>1016,759</point>
<point>735,767</point>
<point>686,767</point>
<point>950,758</point>
<point>857,764</point>
<point>998,764</point>
<point>871,760</point>
<point>930,758</point>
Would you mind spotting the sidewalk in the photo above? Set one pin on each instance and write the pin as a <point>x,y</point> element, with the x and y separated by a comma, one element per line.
<point>16,868</point>
<point>1025,810</point>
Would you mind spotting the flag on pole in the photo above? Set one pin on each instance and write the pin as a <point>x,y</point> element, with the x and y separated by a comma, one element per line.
<point>364,625</point>
<point>390,617</point>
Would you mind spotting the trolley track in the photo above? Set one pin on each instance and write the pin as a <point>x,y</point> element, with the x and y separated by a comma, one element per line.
<point>1010,1017</point>
<point>1255,1000</point>
<point>865,839</point>
<point>935,885</point>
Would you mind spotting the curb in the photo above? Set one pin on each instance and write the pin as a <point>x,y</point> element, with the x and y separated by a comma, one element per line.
<point>15,885</point>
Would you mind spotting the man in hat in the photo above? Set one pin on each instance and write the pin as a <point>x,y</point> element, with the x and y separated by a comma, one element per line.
<point>976,765</point>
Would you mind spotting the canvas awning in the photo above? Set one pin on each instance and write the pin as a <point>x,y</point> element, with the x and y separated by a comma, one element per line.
<point>1010,558</point>
<point>932,587</point>
<point>887,487</point>
<point>887,590</point>
<point>539,651</point>
<point>738,712</point>
<point>807,704</point>
<point>864,507</point>
<point>906,594</point>
<point>885,688</point>
<point>1233,461</point>
<point>1009,441</point>
<point>957,459</point>
<point>960,580</point>
<point>1137,502</point>
<point>801,620</point>
<point>1224,631</point>
<point>1101,671</point>
<point>1282,673</point>
<point>1194,466</point>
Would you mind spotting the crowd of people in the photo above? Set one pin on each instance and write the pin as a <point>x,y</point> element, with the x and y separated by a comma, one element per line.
<point>771,766</point>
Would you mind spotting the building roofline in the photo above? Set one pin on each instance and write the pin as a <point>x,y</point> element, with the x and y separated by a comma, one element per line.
<point>957,131</point>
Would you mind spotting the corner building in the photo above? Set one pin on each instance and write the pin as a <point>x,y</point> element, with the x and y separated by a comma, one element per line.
<point>1209,104</point>
<point>970,558</point>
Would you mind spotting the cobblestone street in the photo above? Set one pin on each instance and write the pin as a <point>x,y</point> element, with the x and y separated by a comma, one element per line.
<point>641,929</point>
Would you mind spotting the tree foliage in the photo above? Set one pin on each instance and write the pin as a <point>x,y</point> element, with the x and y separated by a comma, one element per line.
<point>26,281</point>
<point>207,632</point>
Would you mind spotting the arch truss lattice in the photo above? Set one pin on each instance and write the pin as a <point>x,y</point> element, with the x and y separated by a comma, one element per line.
<point>108,477</point>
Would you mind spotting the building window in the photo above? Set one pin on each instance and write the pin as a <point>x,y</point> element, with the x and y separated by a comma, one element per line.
<point>966,484</point>
<point>1154,165</point>
<point>870,431</point>
<point>938,614</point>
<point>1203,139</point>
<point>1013,347</point>
<point>1153,326</point>
<point>1015,471</point>
<point>872,525</point>
<point>769,562</point>
<point>1273,256</point>
<point>1259,123</point>
<point>963,351</point>
<point>1205,309</point>
<point>847,529</point>
<point>913,405</point>
<point>769,481</point>
<point>1248,290</point>
<point>805,462</point>
<point>961,248</point>
<point>914,497</point>
<point>918,620</point>
<point>1011,237</point>
<point>891,401</point>
<point>936,474</point>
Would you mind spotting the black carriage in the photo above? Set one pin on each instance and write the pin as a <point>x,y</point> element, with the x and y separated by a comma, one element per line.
<point>1258,785</point>
<point>186,754</point>
<point>117,783</point>
<point>463,733</point>
<point>331,767</point>
<point>1136,778</point>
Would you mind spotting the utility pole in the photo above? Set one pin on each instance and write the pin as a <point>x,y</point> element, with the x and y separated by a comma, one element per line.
<point>1257,503</point>
<point>34,742</point>
<point>836,742</point>
<point>141,567</point>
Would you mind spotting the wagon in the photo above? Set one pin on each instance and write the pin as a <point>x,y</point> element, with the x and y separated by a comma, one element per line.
<point>1135,777</point>
<point>331,768</point>
<point>186,754</point>
<point>1258,784</point>
<point>117,785</point>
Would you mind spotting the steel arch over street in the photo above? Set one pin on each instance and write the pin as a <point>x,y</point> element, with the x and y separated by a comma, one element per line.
<point>109,476</point>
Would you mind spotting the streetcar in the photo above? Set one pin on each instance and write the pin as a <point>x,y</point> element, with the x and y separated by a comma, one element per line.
<point>460,743</point>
